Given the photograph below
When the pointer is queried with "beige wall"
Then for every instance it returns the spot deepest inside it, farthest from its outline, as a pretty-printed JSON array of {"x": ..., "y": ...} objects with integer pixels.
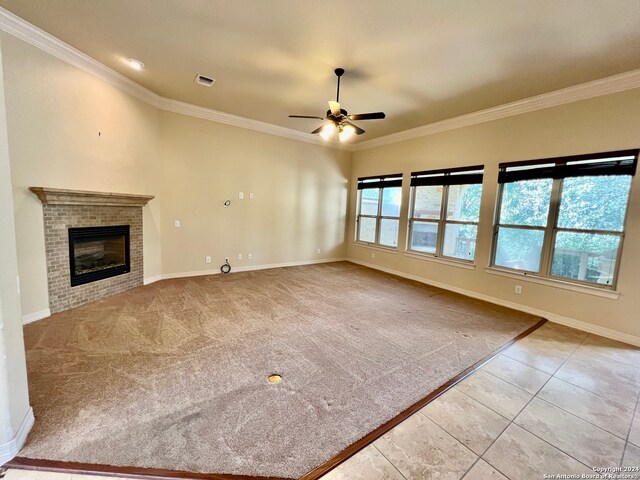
[
  {"x": 299, "y": 204},
  {"x": 14, "y": 398},
  {"x": 55, "y": 112},
  {"x": 605, "y": 123}
]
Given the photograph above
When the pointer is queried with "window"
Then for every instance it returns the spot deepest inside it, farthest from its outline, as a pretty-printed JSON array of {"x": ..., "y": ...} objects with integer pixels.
[
  {"x": 564, "y": 217},
  {"x": 378, "y": 217},
  {"x": 445, "y": 207}
]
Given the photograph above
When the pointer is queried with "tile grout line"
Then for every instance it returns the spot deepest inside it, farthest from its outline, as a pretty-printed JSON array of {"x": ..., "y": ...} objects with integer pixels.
[
  {"x": 455, "y": 439},
  {"x": 470, "y": 468},
  {"x": 578, "y": 417},
  {"x": 479, "y": 455},
  {"x": 385, "y": 457},
  {"x": 514, "y": 385},
  {"x": 509, "y": 420},
  {"x": 634, "y": 385},
  {"x": 508, "y": 425},
  {"x": 593, "y": 393},
  {"x": 531, "y": 433},
  {"x": 554, "y": 371},
  {"x": 536, "y": 396},
  {"x": 522, "y": 363},
  {"x": 486, "y": 406},
  {"x": 633, "y": 417}
]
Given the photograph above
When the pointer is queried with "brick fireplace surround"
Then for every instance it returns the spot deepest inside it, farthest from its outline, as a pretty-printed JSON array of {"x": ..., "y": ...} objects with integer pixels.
[{"x": 64, "y": 209}]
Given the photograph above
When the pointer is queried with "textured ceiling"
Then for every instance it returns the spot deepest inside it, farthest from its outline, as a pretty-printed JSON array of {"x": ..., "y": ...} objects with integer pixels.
[{"x": 418, "y": 61}]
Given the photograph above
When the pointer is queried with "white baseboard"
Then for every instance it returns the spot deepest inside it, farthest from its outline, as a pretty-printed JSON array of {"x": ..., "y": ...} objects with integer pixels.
[
  {"x": 249, "y": 268},
  {"x": 32, "y": 317},
  {"x": 10, "y": 449},
  {"x": 153, "y": 279},
  {"x": 552, "y": 317}
]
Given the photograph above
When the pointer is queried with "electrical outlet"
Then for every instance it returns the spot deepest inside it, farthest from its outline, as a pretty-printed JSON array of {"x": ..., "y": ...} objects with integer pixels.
[
  {"x": 239, "y": 256},
  {"x": 373, "y": 254},
  {"x": 240, "y": 195},
  {"x": 518, "y": 289},
  {"x": 249, "y": 256},
  {"x": 318, "y": 251},
  {"x": 207, "y": 259},
  {"x": 177, "y": 223},
  {"x": 251, "y": 196}
]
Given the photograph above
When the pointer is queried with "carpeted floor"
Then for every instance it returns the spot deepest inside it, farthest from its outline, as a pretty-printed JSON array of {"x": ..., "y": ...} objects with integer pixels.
[{"x": 174, "y": 375}]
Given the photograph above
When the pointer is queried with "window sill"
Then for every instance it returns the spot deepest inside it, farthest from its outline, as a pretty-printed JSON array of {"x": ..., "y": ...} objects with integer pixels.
[
  {"x": 574, "y": 287},
  {"x": 374, "y": 246},
  {"x": 444, "y": 261}
]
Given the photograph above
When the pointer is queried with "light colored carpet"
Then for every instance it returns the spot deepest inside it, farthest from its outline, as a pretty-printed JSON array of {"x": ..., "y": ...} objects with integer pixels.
[{"x": 174, "y": 375}]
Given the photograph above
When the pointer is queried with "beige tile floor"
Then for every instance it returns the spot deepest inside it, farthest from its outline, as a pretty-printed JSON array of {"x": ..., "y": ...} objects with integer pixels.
[{"x": 559, "y": 401}]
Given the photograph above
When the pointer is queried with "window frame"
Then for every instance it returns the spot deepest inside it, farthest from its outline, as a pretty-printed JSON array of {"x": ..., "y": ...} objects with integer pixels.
[
  {"x": 551, "y": 229},
  {"x": 381, "y": 180},
  {"x": 442, "y": 221}
]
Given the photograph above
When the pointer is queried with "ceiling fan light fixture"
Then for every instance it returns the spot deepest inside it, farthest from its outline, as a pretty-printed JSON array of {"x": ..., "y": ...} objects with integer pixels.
[
  {"x": 338, "y": 124},
  {"x": 345, "y": 132},
  {"x": 328, "y": 131}
]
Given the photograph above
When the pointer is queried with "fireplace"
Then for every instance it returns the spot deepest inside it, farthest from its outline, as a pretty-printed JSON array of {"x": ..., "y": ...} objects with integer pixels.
[
  {"x": 98, "y": 252},
  {"x": 76, "y": 217}
]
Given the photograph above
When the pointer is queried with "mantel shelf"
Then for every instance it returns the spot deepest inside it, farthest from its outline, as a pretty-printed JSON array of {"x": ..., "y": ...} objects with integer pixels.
[{"x": 61, "y": 196}]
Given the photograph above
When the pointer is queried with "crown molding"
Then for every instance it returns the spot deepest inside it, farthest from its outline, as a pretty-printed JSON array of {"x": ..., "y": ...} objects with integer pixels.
[
  {"x": 46, "y": 42},
  {"x": 204, "y": 113},
  {"x": 20, "y": 28},
  {"x": 604, "y": 86}
]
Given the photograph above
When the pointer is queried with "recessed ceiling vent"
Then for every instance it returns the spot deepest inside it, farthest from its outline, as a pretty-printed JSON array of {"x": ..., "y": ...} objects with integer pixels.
[{"x": 205, "y": 81}]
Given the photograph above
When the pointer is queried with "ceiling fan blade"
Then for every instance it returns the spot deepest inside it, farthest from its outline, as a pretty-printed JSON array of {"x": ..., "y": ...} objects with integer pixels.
[
  {"x": 305, "y": 116},
  {"x": 334, "y": 107},
  {"x": 317, "y": 130},
  {"x": 359, "y": 131},
  {"x": 367, "y": 116}
]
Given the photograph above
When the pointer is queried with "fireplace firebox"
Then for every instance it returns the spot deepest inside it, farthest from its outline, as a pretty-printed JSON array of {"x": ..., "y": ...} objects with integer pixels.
[{"x": 98, "y": 252}]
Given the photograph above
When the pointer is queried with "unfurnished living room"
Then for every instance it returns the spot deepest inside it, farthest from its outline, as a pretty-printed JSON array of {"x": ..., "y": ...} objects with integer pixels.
[{"x": 337, "y": 240}]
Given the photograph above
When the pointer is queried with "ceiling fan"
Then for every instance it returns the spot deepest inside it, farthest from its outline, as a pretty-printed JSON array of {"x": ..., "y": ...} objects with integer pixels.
[{"x": 337, "y": 121}]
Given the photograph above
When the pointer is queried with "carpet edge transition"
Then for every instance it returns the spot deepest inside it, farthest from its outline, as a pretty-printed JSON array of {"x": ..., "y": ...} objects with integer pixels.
[{"x": 23, "y": 463}]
